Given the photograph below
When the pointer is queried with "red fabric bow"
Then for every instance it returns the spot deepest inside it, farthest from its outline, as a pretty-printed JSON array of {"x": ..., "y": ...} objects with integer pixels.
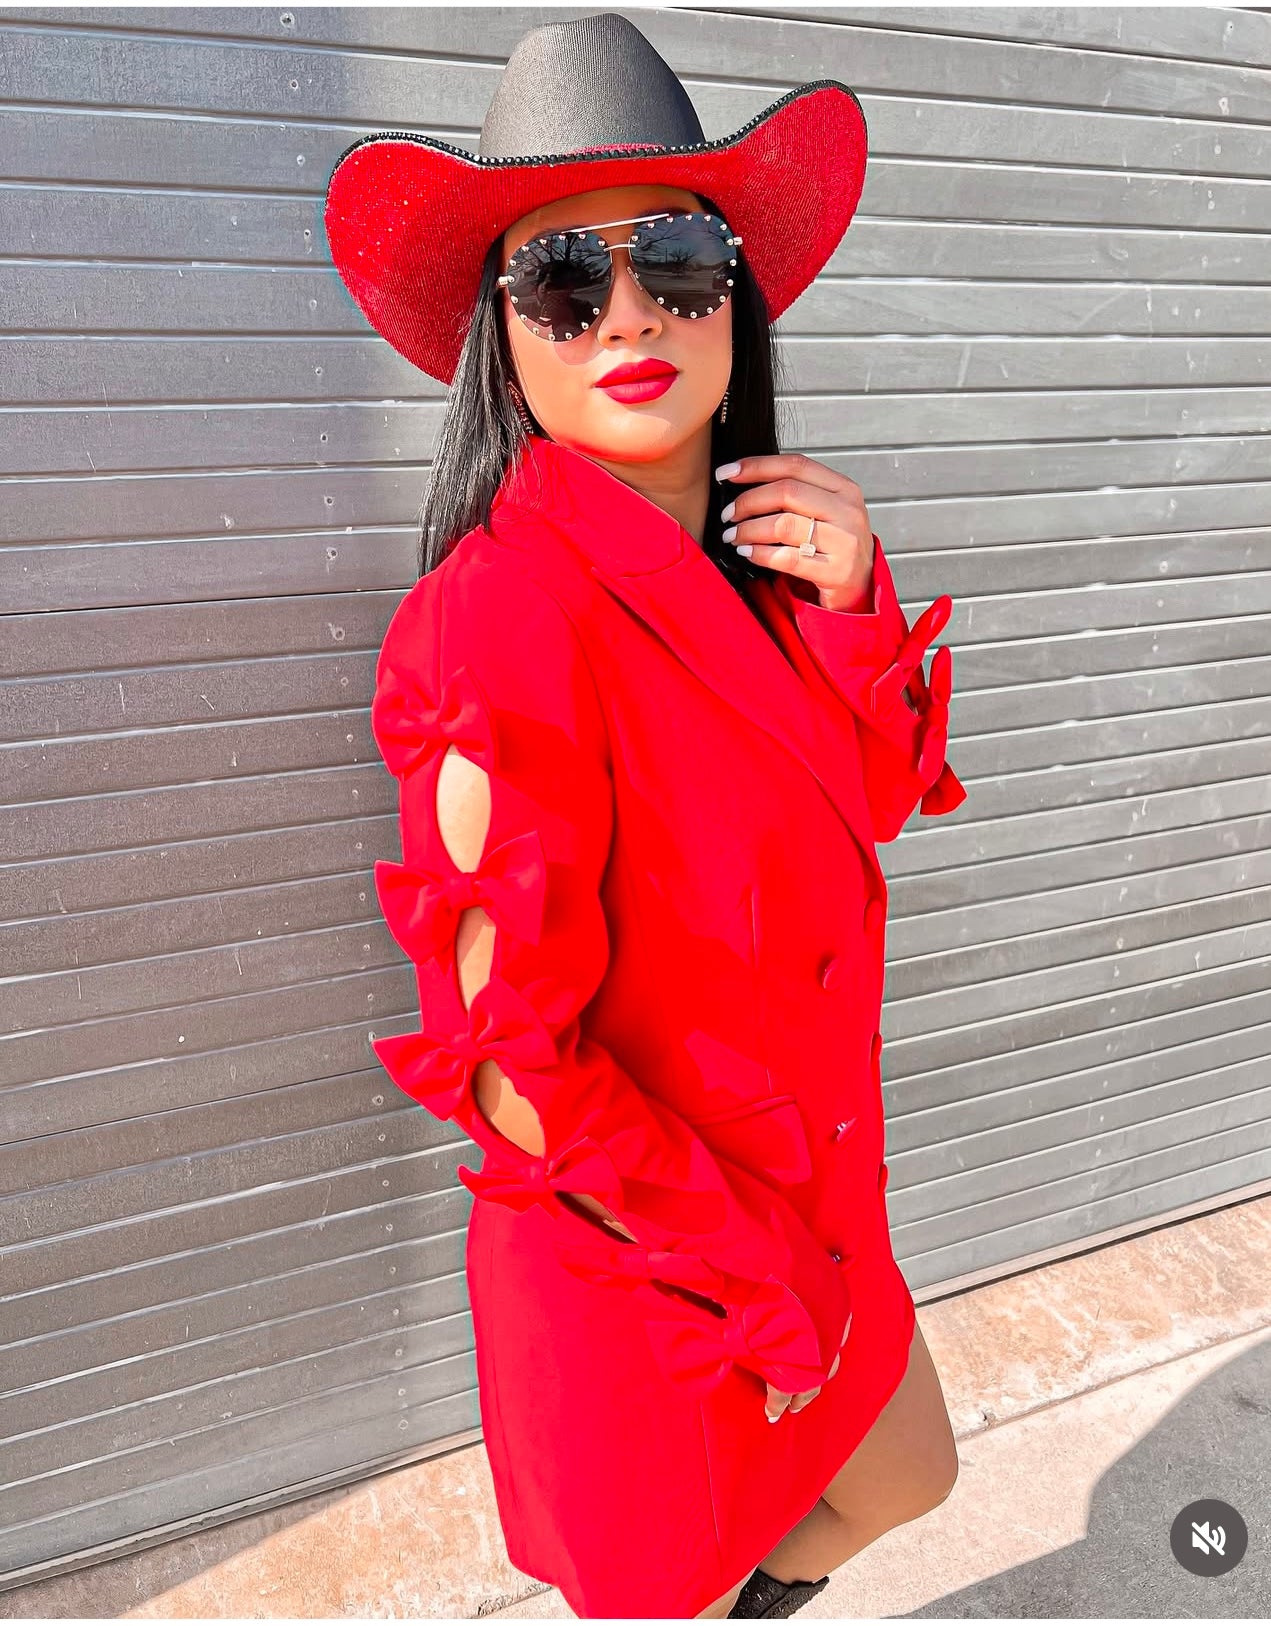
[
  {"x": 772, "y": 1329},
  {"x": 409, "y": 727},
  {"x": 885, "y": 691},
  {"x": 947, "y": 793},
  {"x": 423, "y": 909},
  {"x": 436, "y": 1071},
  {"x": 584, "y": 1166},
  {"x": 935, "y": 712},
  {"x": 945, "y": 790}
]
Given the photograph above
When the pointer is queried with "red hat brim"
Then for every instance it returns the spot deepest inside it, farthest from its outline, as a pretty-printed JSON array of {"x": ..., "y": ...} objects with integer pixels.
[{"x": 409, "y": 219}]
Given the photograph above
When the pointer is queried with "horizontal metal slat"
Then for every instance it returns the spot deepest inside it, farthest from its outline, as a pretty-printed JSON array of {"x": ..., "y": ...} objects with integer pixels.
[
  {"x": 924, "y": 1069},
  {"x": 151, "y": 1306},
  {"x": 1074, "y": 1178},
  {"x": 1079, "y": 1218},
  {"x": 152, "y": 1261},
  {"x": 108, "y": 1407},
  {"x": 1037, "y": 1099},
  {"x": 179, "y": 1459},
  {"x": 330, "y": 1442}
]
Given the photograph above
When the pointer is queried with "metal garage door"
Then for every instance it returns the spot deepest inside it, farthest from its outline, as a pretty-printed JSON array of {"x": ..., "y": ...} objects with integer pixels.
[{"x": 232, "y": 1253}]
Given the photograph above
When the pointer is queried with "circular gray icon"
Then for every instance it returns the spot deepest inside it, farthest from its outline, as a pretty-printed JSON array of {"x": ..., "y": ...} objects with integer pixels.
[{"x": 1209, "y": 1537}]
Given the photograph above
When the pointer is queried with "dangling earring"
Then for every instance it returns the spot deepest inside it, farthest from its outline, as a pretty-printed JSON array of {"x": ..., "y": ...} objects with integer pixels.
[
  {"x": 518, "y": 401},
  {"x": 723, "y": 410}
]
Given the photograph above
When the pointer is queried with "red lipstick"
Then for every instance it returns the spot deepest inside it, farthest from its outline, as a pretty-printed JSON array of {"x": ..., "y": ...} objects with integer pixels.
[{"x": 638, "y": 380}]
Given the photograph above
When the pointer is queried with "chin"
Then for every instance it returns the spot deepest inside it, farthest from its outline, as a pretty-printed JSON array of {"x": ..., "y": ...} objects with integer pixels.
[{"x": 631, "y": 433}]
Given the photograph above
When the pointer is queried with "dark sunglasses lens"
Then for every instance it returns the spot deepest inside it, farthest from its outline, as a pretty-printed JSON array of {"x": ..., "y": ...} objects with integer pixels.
[
  {"x": 559, "y": 284},
  {"x": 686, "y": 263}
]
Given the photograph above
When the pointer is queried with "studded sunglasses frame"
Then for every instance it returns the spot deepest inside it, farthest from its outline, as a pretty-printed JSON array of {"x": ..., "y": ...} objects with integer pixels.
[{"x": 511, "y": 275}]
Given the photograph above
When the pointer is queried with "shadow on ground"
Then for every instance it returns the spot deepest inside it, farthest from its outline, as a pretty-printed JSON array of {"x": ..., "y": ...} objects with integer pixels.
[{"x": 1214, "y": 1443}]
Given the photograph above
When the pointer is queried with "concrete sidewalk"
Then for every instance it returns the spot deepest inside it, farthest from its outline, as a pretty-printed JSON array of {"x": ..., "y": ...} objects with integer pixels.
[
  {"x": 1066, "y": 1512},
  {"x": 1093, "y": 1399}
]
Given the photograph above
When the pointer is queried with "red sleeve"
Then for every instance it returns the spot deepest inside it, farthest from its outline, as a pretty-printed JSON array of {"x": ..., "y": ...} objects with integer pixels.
[
  {"x": 481, "y": 657},
  {"x": 869, "y": 658}
]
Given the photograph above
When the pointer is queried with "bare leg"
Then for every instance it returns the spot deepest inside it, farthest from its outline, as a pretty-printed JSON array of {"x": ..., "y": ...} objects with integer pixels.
[
  {"x": 719, "y": 1609},
  {"x": 906, "y": 1465}
]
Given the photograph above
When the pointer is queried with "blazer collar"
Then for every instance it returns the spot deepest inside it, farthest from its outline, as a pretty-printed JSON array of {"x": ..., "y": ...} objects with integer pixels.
[{"x": 643, "y": 556}]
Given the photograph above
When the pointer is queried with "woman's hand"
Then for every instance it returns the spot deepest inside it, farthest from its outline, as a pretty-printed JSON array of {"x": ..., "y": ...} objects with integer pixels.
[
  {"x": 770, "y": 519},
  {"x": 778, "y": 1401}
]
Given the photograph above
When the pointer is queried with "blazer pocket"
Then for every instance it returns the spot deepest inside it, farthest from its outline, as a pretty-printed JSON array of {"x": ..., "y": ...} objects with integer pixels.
[{"x": 768, "y": 1138}]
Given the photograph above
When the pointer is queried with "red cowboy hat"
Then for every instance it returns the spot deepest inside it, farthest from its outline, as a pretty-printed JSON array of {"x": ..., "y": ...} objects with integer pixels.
[{"x": 583, "y": 104}]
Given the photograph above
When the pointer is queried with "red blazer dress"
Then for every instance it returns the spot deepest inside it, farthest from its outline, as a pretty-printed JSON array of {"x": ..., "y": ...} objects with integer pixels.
[{"x": 686, "y": 792}]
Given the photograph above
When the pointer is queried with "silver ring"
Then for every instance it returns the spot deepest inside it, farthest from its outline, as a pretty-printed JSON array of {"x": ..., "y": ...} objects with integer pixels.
[{"x": 808, "y": 547}]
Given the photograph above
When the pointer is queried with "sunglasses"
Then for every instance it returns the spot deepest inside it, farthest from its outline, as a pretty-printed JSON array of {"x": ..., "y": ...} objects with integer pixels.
[{"x": 558, "y": 284}]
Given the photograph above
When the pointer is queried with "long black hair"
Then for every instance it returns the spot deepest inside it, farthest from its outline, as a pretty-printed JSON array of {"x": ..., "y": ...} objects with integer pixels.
[{"x": 481, "y": 433}]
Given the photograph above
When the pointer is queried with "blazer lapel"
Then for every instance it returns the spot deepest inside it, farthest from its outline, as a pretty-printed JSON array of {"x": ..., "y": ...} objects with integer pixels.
[
  {"x": 643, "y": 557},
  {"x": 697, "y": 614}
]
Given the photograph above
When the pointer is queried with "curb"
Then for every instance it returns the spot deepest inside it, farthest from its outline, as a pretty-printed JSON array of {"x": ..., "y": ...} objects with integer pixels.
[{"x": 1013, "y": 1346}]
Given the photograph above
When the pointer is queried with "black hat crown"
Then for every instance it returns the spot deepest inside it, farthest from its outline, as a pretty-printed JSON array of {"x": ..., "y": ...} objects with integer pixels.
[{"x": 591, "y": 82}]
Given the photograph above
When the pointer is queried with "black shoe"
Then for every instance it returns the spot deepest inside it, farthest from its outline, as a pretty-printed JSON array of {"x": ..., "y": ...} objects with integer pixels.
[{"x": 765, "y": 1598}]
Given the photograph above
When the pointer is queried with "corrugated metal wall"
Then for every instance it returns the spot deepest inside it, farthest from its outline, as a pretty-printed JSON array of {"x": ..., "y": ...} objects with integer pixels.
[{"x": 232, "y": 1253}]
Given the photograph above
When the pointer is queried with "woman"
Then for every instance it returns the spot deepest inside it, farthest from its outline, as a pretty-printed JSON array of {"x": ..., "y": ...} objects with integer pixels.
[{"x": 643, "y": 762}]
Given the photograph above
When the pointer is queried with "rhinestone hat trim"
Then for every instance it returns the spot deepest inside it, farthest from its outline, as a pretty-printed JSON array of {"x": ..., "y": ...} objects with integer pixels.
[{"x": 651, "y": 149}]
